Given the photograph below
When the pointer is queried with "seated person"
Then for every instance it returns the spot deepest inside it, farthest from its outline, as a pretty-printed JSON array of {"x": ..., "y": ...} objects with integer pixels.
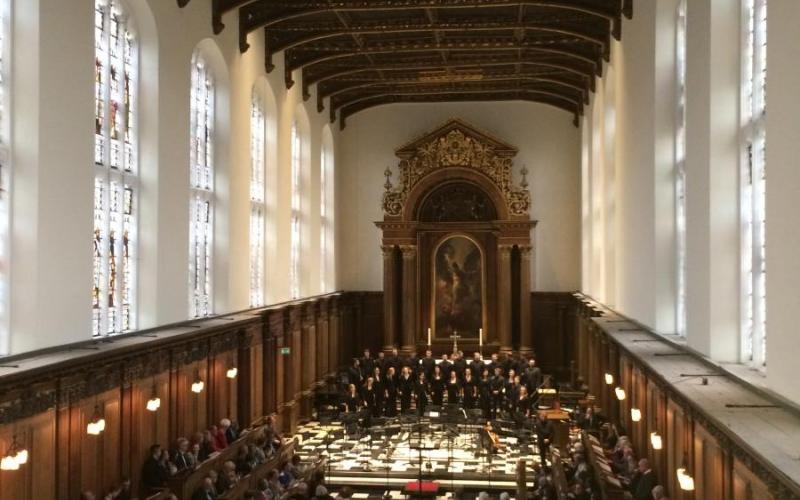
[
  {"x": 154, "y": 471},
  {"x": 286, "y": 478},
  {"x": 229, "y": 429},
  {"x": 227, "y": 478},
  {"x": 206, "y": 491}
]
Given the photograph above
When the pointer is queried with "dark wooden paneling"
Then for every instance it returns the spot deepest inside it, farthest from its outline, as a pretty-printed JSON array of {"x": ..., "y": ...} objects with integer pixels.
[
  {"x": 722, "y": 466},
  {"x": 553, "y": 320},
  {"x": 48, "y": 405}
]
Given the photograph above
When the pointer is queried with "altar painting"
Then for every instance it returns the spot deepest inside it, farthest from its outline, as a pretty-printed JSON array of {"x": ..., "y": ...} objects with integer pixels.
[{"x": 458, "y": 288}]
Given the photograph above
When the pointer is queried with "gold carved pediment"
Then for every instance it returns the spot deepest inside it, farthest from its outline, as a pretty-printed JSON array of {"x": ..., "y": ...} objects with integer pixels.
[{"x": 456, "y": 144}]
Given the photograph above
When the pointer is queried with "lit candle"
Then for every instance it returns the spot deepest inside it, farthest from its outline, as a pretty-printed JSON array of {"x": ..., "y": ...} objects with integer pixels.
[
  {"x": 429, "y": 336},
  {"x": 480, "y": 337}
]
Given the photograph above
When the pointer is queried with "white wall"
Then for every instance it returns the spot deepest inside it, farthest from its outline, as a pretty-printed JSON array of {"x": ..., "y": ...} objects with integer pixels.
[
  {"x": 783, "y": 197},
  {"x": 548, "y": 144},
  {"x": 639, "y": 202},
  {"x": 627, "y": 160},
  {"x": 52, "y": 160}
]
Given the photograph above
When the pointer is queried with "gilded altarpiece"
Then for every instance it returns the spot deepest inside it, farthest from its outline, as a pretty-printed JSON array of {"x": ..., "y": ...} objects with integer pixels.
[{"x": 456, "y": 244}]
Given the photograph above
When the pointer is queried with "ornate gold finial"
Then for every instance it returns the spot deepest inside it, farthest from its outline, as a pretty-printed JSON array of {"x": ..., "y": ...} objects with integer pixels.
[
  {"x": 524, "y": 183},
  {"x": 388, "y": 174}
]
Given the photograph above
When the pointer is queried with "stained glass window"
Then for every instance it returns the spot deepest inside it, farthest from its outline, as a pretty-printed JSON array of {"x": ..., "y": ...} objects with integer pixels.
[
  {"x": 680, "y": 167},
  {"x": 257, "y": 199},
  {"x": 294, "y": 257},
  {"x": 201, "y": 212},
  {"x": 116, "y": 170},
  {"x": 753, "y": 203}
]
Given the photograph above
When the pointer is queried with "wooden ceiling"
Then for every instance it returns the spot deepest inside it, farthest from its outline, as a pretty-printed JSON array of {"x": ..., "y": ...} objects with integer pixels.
[{"x": 364, "y": 53}]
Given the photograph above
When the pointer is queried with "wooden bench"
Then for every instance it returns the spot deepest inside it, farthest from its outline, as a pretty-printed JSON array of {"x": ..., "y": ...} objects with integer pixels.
[
  {"x": 605, "y": 480},
  {"x": 559, "y": 477},
  {"x": 185, "y": 483},
  {"x": 250, "y": 481}
]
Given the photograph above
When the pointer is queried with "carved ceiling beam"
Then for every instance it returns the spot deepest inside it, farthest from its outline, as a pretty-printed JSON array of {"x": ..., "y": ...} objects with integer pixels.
[
  {"x": 293, "y": 62},
  {"x": 571, "y": 62},
  {"x": 571, "y": 103},
  {"x": 566, "y": 89},
  {"x": 473, "y": 27},
  {"x": 267, "y": 13},
  {"x": 521, "y": 95}
]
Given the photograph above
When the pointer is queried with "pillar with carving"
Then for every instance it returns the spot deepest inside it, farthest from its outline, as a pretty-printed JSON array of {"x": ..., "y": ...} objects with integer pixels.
[
  {"x": 526, "y": 340},
  {"x": 409, "y": 297},
  {"x": 389, "y": 313},
  {"x": 504, "y": 294}
]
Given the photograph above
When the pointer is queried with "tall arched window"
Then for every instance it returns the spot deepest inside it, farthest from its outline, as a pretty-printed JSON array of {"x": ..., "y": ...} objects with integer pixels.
[
  {"x": 326, "y": 219},
  {"x": 680, "y": 167},
  {"x": 5, "y": 175},
  {"x": 201, "y": 178},
  {"x": 116, "y": 170},
  {"x": 258, "y": 139},
  {"x": 753, "y": 184},
  {"x": 294, "y": 254}
]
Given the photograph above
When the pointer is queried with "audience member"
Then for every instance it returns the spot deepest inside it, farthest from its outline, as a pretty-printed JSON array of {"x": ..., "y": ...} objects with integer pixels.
[
  {"x": 206, "y": 491},
  {"x": 659, "y": 493},
  {"x": 643, "y": 481},
  {"x": 154, "y": 471},
  {"x": 229, "y": 429}
]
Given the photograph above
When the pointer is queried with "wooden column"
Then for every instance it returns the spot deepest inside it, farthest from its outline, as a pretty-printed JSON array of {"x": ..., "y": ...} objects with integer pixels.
[
  {"x": 504, "y": 293},
  {"x": 308, "y": 361},
  {"x": 335, "y": 355},
  {"x": 323, "y": 339},
  {"x": 409, "y": 297},
  {"x": 525, "y": 324},
  {"x": 389, "y": 299},
  {"x": 269, "y": 356}
]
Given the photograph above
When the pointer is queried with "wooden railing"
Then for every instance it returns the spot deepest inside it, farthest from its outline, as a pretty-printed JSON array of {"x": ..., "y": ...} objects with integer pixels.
[
  {"x": 696, "y": 416},
  {"x": 250, "y": 481},
  {"x": 185, "y": 483},
  {"x": 281, "y": 354}
]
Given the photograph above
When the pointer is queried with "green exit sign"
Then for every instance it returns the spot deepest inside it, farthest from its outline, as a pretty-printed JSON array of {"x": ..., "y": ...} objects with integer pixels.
[{"x": 285, "y": 351}]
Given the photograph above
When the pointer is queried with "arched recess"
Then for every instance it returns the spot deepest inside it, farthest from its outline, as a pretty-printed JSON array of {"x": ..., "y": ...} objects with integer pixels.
[
  {"x": 144, "y": 26},
  {"x": 300, "y": 202},
  {"x": 434, "y": 181},
  {"x": 262, "y": 91},
  {"x": 209, "y": 51},
  {"x": 327, "y": 224}
]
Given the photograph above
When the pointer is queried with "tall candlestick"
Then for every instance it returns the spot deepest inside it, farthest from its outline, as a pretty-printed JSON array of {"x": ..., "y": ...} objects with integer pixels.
[{"x": 429, "y": 336}]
